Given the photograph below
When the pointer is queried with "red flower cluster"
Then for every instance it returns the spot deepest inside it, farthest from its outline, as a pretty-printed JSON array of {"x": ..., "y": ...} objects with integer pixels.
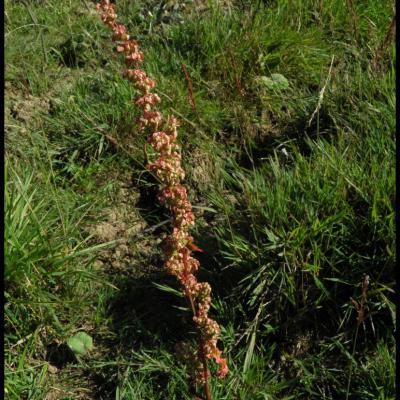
[{"x": 167, "y": 167}]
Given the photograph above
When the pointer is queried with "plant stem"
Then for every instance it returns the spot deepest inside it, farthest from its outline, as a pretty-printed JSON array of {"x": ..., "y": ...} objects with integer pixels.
[
  {"x": 385, "y": 44},
  {"x": 190, "y": 89},
  {"x": 351, "y": 361},
  {"x": 205, "y": 366},
  {"x": 354, "y": 18},
  {"x": 201, "y": 350}
]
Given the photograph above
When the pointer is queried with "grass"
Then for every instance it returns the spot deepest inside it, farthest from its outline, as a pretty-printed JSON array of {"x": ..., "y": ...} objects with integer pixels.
[{"x": 294, "y": 206}]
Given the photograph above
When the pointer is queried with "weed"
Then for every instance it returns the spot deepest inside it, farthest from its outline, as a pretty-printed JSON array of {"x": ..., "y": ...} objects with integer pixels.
[{"x": 290, "y": 215}]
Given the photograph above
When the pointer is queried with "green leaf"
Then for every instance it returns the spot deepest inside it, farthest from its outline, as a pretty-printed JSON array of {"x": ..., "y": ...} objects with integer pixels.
[
  {"x": 250, "y": 351},
  {"x": 280, "y": 81},
  {"x": 168, "y": 289},
  {"x": 275, "y": 82},
  {"x": 80, "y": 343}
]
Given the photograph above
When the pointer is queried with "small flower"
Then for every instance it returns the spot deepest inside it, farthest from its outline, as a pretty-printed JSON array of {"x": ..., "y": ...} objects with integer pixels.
[
  {"x": 108, "y": 15},
  {"x": 140, "y": 78},
  {"x": 134, "y": 57},
  {"x": 120, "y": 33},
  {"x": 134, "y": 75},
  {"x": 149, "y": 118},
  {"x": 149, "y": 99}
]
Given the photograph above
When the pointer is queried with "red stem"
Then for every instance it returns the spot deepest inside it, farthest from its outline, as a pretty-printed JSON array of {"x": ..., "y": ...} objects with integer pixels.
[
  {"x": 205, "y": 367},
  {"x": 201, "y": 342},
  {"x": 201, "y": 352},
  {"x": 190, "y": 88}
]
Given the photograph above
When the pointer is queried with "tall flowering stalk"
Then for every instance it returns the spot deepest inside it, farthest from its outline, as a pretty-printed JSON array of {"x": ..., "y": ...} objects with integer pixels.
[{"x": 173, "y": 194}]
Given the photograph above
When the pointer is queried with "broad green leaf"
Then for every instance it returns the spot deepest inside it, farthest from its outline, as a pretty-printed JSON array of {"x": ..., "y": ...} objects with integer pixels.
[
  {"x": 275, "y": 82},
  {"x": 80, "y": 343}
]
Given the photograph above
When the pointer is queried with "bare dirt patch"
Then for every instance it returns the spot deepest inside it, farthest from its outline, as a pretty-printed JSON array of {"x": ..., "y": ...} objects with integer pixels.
[{"x": 123, "y": 223}]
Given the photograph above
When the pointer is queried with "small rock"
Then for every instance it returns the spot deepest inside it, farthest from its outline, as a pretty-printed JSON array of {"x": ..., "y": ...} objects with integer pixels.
[{"x": 52, "y": 369}]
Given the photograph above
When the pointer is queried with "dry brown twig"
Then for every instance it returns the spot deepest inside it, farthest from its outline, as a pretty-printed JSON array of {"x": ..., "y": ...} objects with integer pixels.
[{"x": 359, "y": 306}]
